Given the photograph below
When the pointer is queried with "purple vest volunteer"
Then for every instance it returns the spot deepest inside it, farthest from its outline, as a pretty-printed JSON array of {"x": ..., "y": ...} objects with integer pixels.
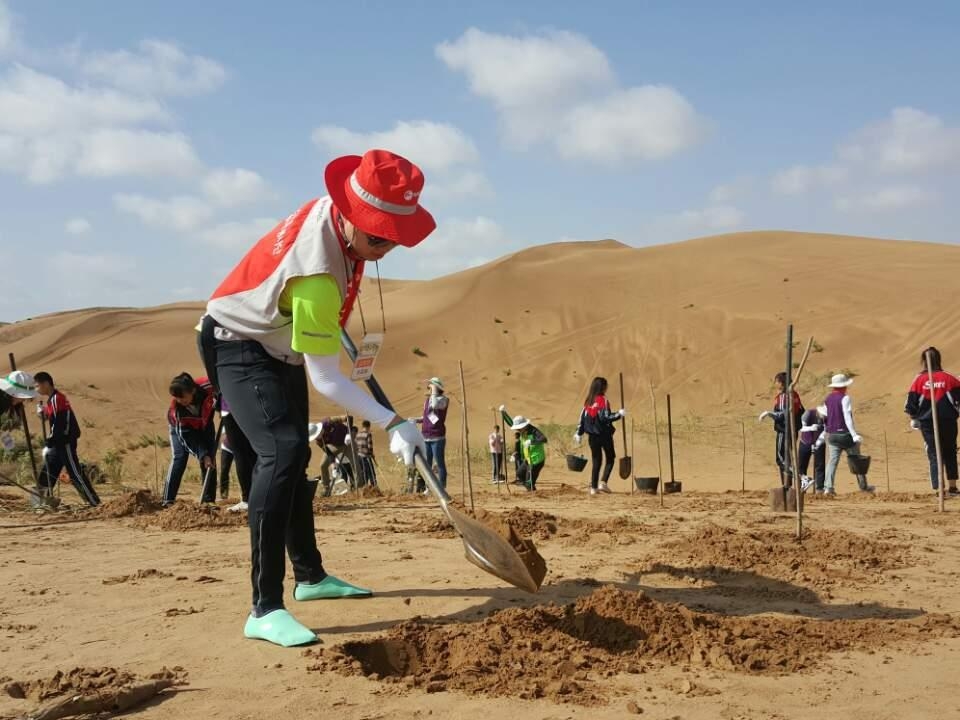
[
  {"x": 836, "y": 423},
  {"x": 435, "y": 430}
]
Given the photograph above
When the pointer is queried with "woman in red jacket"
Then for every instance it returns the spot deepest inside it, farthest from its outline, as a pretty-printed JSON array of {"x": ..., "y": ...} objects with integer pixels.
[{"x": 596, "y": 420}]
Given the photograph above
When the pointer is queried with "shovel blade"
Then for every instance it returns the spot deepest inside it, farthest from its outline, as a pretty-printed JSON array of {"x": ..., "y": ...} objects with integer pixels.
[
  {"x": 484, "y": 547},
  {"x": 626, "y": 467},
  {"x": 490, "y": 552}
]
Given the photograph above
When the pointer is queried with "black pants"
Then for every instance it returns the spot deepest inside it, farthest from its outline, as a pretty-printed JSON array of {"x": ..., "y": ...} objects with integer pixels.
[
  {"x": 268, "y": 399},
  {"x": 65, "y": 456},
  {"x": 240, "y": 454},
  {"x": 948, "y": 450},
  {"x": 819, "y": 462},
  {"x": 528, "y": 474},
  {"x": 601, "y": 445},
  {"x": 368, "y": 472},
  {"x": 496, "y": 460}
]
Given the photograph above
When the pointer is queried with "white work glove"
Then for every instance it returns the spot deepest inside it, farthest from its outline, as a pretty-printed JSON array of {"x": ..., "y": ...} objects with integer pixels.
[
  {"x": 577, "y": 438},
  {"x": 914, "y": 424},
  {"x": 502, "y": 408},
  {"x": 39, "y": 409},
  {"x": 405, "y": 439},
  {"x": 513, "y": 457},
  {"x": 623, "y": 413},
  {"x": 764, "y": 414},
  {"x": 857, "y": 439},
  {"x": 46, "y": 451}
]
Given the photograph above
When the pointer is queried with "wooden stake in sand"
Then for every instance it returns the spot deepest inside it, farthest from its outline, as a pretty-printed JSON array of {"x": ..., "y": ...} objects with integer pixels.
[
  {"x": 26, "y": 428},
  {"x": 886, "y": 459},
  {"x": 790, "y": 470},
  {"x": 794, "y": 436},
  {"x": 936, "y": 431},
  {"x": 656, "y": 435},
  {"x": 466, "y": 430},
  {"x": 743, "y": 463}
]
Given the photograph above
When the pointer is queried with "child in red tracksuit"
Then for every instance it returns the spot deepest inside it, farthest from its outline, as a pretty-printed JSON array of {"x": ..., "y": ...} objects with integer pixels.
[{"x": 60, "y": 446}]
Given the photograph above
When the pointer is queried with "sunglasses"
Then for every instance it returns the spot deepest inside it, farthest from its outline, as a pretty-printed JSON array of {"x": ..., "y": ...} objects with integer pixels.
[
  {"x": 373, "y": 240},
  {"x": 378, "y": 242}
]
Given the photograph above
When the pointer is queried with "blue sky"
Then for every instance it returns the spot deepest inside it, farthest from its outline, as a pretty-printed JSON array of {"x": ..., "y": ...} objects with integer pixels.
[{"x": 145, "y": 145}]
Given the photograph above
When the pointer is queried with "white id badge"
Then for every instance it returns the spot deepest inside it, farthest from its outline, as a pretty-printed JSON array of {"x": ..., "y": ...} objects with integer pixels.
[
  {"x": 433, "y": 417},
  {"x": 367, "y": 353}
]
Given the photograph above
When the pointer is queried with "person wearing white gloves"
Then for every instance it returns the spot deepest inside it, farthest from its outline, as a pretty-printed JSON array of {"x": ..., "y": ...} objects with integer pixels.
[
  {"x": 596, "y": 420},
  {"x": 275, "y": 321},
  {"x": 839, "y": 433},
  {"x": 780, "y": 418}
]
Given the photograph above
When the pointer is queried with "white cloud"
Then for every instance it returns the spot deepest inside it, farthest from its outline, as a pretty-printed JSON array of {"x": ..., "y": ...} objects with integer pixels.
[
  {"x": 231, "y": 188},
  {"x": 469, "y": 184},
  {"x": 158, "y": 68},
  {"x": 115, "y": 152},
  {"x": 432, "y": 146},
  {"x": 527, "y": 77},
  {"x": 7, "y": 32},
  {"x": 558, "y": 87},
  {"x": 730, "y": 192},
  {"x": 34, "y": 104},
  {"x": 892, "y": 198},
  {"x": 800, "y": 179},
  {"x": 908, "y": 141},
  {"x": 237, "y": 235},
  {"x": 181, "y": 213},
  {"x": 94, "y": 270},
  {"x": 642, "y": 123},
  {"x": 78, "y": 226},
  {"x": 461, "y": 243}
]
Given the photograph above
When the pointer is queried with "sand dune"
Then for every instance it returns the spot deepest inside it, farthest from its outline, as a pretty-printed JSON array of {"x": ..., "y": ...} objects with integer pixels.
[{"x": 703, "y": 320}]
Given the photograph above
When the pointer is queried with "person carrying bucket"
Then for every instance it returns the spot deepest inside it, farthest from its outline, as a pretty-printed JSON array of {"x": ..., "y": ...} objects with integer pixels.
[
  {"x": 596, "y": 420},
  {"x": 946, "y": 394},
  {"x": 274, "y": 322},
  {"x": 840, "y": 434}
]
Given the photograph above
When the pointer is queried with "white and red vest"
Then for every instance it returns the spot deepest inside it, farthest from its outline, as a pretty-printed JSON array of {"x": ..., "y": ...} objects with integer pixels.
[{"x": 306, "y": 243}]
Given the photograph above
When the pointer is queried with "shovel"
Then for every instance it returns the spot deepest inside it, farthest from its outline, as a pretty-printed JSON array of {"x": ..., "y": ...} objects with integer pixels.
[
  {"x": 483, "y": 546},
  {"x": 626, "y": 462},
  {"x": 36, "y": 498}
]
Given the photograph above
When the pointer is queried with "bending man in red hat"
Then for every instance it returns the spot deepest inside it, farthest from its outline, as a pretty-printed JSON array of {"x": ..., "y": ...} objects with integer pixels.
[{"x": 275, "y": 320}]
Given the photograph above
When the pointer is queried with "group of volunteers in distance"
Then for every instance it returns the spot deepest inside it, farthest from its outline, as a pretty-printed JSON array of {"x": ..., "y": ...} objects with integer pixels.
[
  {"x": 828, "y": 431},
  {"x": 274, "y": 324}
]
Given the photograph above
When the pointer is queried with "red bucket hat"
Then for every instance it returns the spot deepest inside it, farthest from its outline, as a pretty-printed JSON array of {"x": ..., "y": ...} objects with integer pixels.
[{"x": 380, "y": 194}]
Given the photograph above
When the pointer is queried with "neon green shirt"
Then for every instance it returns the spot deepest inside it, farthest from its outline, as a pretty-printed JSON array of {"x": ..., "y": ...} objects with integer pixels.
[{"x": 314, "y": 304}]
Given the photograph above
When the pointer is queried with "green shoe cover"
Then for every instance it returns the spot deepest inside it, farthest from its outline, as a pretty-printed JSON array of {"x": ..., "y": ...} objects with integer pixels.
[
  {"x": 329, "y": 588},
  {"x": 280, "y": 628}
]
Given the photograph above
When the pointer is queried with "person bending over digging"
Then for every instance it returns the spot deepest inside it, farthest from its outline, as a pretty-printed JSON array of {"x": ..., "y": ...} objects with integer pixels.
[
  {"x": 275, "y": 321},
  {"x": 779, "y": 415},
  {"x": 596, "y": 420},
  {"x": 533, "y": 452},
  {"x": 810, "y": 430},
  {"x": 190, "y": 418},
  {"x": 14, "y": 389},
  {"x": 60, "y": 446},
  {"x": 946, "y": 394},
  {"x": 839, "y": 433}
]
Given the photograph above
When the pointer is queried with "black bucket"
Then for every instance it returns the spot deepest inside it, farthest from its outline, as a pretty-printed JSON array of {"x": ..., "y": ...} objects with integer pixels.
[
  {"x": 672, "y": 487},
  {"x": 576, "y": 463},
  {"x": 647, "y": 484},
  {"x": 858, "y": 464}
]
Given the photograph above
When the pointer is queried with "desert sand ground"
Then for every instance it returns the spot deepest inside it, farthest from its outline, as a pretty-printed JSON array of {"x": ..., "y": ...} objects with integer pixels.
[{"x": 735, "y": 619}]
